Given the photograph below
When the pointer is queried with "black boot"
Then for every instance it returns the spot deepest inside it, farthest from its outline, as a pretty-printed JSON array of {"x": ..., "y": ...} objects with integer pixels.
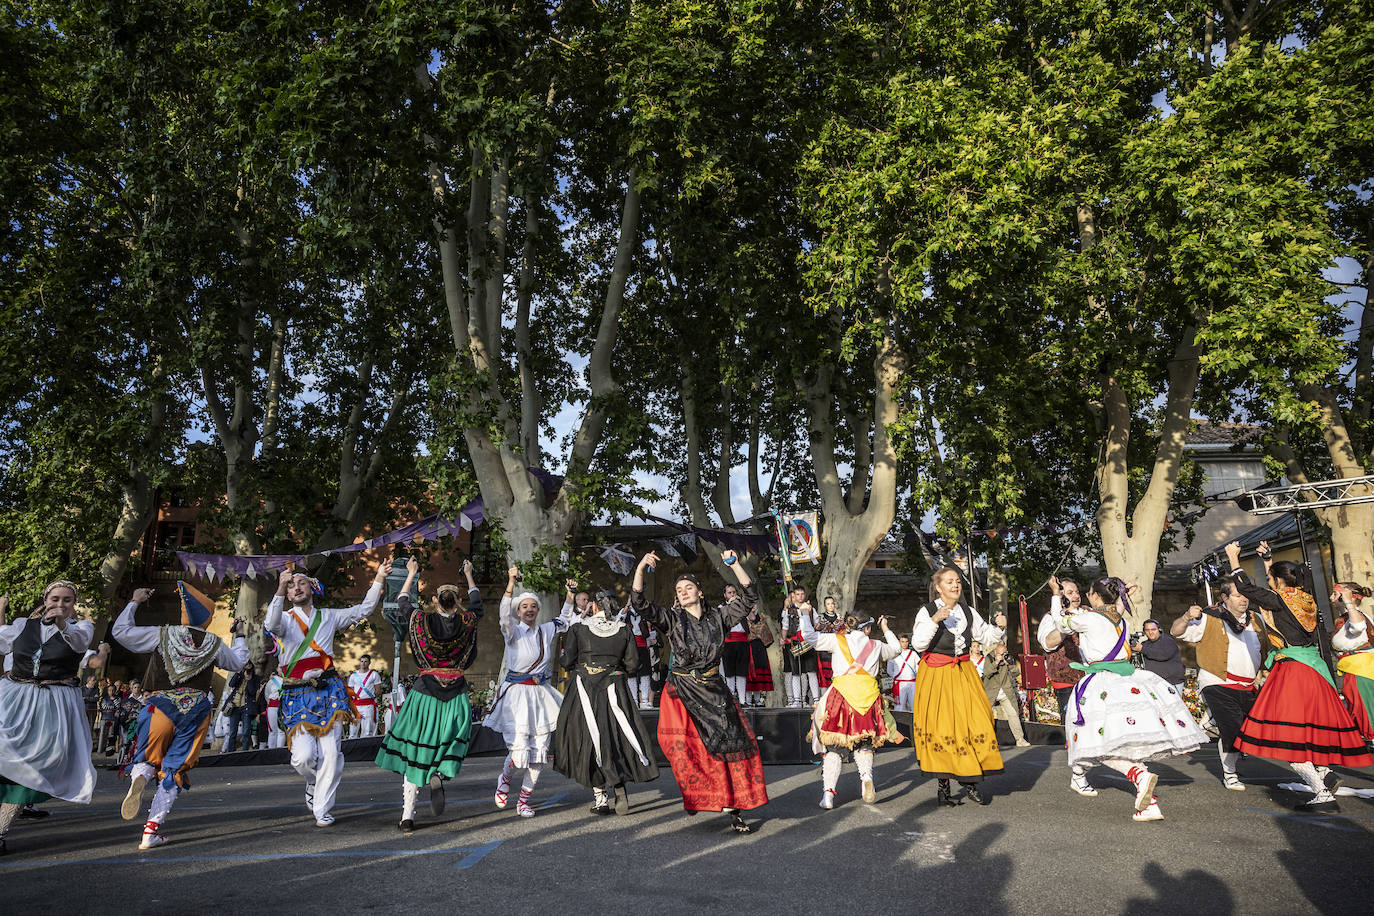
[
  {"x": 737, "y": 823},
  {"x": 942, "y": 795},
  {"x": 972, "y": 793}
]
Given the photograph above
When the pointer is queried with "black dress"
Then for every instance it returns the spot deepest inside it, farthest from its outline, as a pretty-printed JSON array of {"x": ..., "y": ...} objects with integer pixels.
[{"x": 601, "y": 742}]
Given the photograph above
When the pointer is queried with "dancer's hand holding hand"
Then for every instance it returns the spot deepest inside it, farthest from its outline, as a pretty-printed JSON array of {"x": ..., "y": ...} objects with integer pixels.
[
  {"x": 1000, "y": 621},
  {"x": 1233, "y": 553},
  {"x": 382, "y": 572}
]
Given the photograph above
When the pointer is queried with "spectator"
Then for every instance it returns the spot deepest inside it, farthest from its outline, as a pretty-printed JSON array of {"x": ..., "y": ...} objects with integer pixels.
[
  {"x": 236, "y": 708},
  {"x": 109, "y": 720},
  {"x": 999, "y": 682},
  {"x": 90, "y": 695},
  {"x": 127, "y": 717},
  {"x": 1160, "y": 654}
]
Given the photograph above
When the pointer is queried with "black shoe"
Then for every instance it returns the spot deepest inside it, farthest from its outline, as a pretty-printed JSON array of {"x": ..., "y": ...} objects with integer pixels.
[
  {"x": 3, "y": 850},
  {"x": 601, "y": 810},
  {"x": 407, "y": 826},
  {"x": 29, "y": 811},
  {"x": 737, "y": 823},
  {"x": 436, "y": 795},
  {"x": 622, "y": 801},
  {"x": 972, "y": 794}
]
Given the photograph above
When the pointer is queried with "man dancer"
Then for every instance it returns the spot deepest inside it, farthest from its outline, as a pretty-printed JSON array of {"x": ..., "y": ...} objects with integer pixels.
[
  {"x": 176, "y": 715},
  {"x": 1231, "y": 650},
  {"x": 363, "y": 687},
  {"x": 903, "y": 672},
  {"x": 314, "y": 699}
]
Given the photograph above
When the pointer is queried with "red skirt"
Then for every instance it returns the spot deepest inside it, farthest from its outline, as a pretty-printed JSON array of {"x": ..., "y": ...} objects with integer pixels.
[
  {"x": 842, "y": 726},
  {"x": 707, "y": 783},
  {"x": 760, "y": 676},
  {"x": 1359, "y": 710},
  {"x": 823, "y": 671},
  {"x": 1298, "y": 717}
]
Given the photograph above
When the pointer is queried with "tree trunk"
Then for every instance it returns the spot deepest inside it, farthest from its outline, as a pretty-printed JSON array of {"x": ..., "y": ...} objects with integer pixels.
[
  {"x": 1352, "y": 542},
  {"x": 135, "y": 513}
]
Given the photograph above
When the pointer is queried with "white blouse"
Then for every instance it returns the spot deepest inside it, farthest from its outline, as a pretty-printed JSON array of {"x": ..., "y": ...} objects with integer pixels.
[
  {"x": 530, "y": 650},
  {"x": 888, "y": 647},
  {"x": 1096, "y": 635},
  {"x": 1354, "y": 635},
  {"x": 145, "y": 639},
  {"x": 961, "y": 620}
]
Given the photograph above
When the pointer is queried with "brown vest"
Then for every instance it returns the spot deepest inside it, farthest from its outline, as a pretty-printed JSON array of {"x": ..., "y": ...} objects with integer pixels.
[
  {"x": 1214, "y": 646},
  {"x": 157, "y": 678}
]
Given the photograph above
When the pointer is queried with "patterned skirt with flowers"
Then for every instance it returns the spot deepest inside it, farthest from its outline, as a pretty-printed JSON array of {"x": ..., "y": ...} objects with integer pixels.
[
  {"x": 951, "y": 723},
  {"x": 1134, "y": 717}
]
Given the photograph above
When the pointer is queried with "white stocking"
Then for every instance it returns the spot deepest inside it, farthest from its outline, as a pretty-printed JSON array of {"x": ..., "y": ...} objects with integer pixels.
[
  {"x": 863, "y": 759},
  {"x": 1309, "y": 775},
  {"x": 813, "y": 683},
  {"x": 1229, "y": 761},
  {"x": 830, "y": 770},
  {"x": 794, "y": 689},
  {"x": 163, "y": 799},
  {"x": 409, "y": 792},
  {"x": 531, "y": 777}
]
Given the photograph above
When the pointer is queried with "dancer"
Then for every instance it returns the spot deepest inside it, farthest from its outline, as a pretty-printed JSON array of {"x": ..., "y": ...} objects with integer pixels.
[
  {"x": 1351, "y": 640},
  {"x": 641, "y": 684},
  {"x": 759, "y": 681},
  {"x": 734, "y": 658},
  {"x": 525, "y": 711},
  {"x": 314, "y": 707},
  {"x": 850, "y": 715},
  {"x": 1231, "y": 650},
  {"x": 1064, "y": 666},
  {"x": 1122, "y": 716},
  {"x": 1298, "y": 717},
  {"x": 601, "y": 742},
  {"x": 951, "y": 720},
  {"x": 902, "y": 670},
  {"x": 363, "y": 688},
  {"x": 701, "y": 728},
  {"x": 173, "y": 723},
  {"x": 798, "y": 659},
  {"x": 45, "y": 739},
  {"x": 429, "y": 739},
  {"x": 828, "y": 621}
]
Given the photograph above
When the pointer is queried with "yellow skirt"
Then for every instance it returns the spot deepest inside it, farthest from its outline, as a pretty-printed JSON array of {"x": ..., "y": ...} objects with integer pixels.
[{"x": 951, "y": 723}]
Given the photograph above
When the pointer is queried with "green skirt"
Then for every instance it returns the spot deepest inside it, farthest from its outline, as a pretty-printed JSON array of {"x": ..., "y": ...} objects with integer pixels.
[
  {"x": 429, "y": 736},
  {"x": 12, "y": 793}
]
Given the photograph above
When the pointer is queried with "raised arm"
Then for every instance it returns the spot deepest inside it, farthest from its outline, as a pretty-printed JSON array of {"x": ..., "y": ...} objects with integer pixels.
[
  {"x": 889, "y": 648},
  {"x": 348, "y": 616},
  {"x": 987, "y": 634},
  {"x": 1189, "y": 627},
  {"x": 655, "y": 614},
  {"x": 474, "y": 593},
  {"x": 1049, "y": 634},
  {"x": 275, "y": 607},
  {"x": 128, "y": 634},
  {"x": 1264, "y": 597},
  {"x": 748, "y": 598},
  {"x": 233, "y": 655}
]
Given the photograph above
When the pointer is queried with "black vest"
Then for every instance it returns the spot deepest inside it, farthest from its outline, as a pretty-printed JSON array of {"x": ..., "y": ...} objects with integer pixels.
[
  {"x": 57, "y": 661},
  {"x": 943, "y": 643}
]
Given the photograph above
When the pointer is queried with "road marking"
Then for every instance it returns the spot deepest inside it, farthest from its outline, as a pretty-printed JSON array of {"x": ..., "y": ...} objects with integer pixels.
[
  {"x": 553, "y": 800},
  {"x": 474, "y": 854}
]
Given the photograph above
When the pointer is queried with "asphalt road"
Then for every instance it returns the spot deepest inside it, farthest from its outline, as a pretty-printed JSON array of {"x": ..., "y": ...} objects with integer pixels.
[{"x": 242, "y": 842}]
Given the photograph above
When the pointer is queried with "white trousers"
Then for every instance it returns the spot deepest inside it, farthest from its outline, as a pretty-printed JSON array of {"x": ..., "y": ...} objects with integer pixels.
[
  {"x": 906, "y": 696},
  {"x": 320, "y": 761},
  {"x": 275, "y": 736},
  {"x": 365, "y": 726},
  {"x": 796, "y": 683}
]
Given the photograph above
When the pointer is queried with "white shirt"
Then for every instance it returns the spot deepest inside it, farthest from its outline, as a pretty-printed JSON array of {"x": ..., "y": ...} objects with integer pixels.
[
  {"x": 1353, "y": 636},
  {"x": 145, "y": 639},
  {"x": 1242, "y": 652},
  {"x": 365, "y": 683},
  {"x": 78, "y": 635},
  {"x": 287, "y": 625},
  {"x": 524, "y": 642},
  {"x": 830, "y": 642},
  {"x": 961, "y": 621},
  {"x": 1050, "y": 622},
  {"x": 1096, "y": 636},
  {"x": 903, "y": 667}
]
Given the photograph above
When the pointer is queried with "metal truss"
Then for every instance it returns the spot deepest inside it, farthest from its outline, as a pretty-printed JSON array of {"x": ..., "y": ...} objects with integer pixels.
[{"x": 1320, "y": 495}]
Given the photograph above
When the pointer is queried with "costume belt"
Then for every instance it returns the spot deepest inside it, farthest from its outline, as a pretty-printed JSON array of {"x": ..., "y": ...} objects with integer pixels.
[
  {"x": 314, "y": 681},
  {"x": 697, "y": 674},
  {"x": 526, "y": 678},
  {"x": 443, "y": 674},
  {"x": 60, "y": 682},
  {"x": 1122, "y": 667},
  {"x": 587, "y": 668},
  {"x": 939, "y": 659}
]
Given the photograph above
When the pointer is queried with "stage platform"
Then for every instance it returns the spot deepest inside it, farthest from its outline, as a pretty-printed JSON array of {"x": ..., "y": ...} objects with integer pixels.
[{"x": 781, "y": 734}]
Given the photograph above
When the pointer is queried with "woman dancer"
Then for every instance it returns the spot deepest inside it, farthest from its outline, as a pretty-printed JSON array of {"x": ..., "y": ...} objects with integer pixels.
[
  {"x": 525, "y": 712},
  {"x": 429, "y": 739},
  {"x": 45, "y": 738},
  {"x": 1122, "y": 716},
  {"x": 701, "y": 729},
  {"x": 850, "y": 716},
  {"x": 951, "y": 719},
  {"x": 1298, "y": 717},
  {"x": 601, "y": 742},
  {"x": 1351, "y": 640}
]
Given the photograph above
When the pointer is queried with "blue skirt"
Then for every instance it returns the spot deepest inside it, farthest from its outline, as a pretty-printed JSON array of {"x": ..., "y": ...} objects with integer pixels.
[{"x": 315, "y": 710}]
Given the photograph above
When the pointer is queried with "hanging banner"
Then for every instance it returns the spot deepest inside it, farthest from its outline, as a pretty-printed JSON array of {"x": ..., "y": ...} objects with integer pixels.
[
  {"x": 803, "y": 536},
  {"x": 619, "y": 558}
]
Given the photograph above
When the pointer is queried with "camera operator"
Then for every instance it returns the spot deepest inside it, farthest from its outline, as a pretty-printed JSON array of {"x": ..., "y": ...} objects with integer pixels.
[{"x": 999, "y": 681}]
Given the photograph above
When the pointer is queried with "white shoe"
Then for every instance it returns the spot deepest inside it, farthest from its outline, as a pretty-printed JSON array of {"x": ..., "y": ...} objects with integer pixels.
[
  {"x": 133, "y": 802},
  {"x": 152, "y": 841},
  {"x": 1145, "y": 790},
  {"x": 827, "y": 799},
  {"x": 1079, "y": 783},
  {"x": 870, "y": 795},
  {"x": 1324, "y": 797},
  {"x": 325, "y": 820},
  {"x": 1151, "y": 813},
  {"x": 1022, "y": 742},
  {"x": 1232, "y": 782}
]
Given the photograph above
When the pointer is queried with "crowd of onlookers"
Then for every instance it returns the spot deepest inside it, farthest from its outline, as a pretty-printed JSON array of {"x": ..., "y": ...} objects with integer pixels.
[{"x": 112, "y": 708}]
